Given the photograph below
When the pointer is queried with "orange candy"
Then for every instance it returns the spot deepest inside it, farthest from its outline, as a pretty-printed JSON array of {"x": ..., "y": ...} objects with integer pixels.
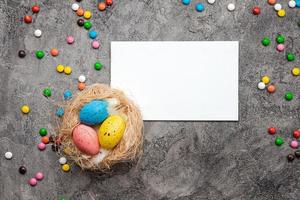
[
  {"x": 101, "y": 6},
  {"x": 45, "y": 139},
  {"x": 271, "y": 2},
  {"x": 54, "y": 52},
  {"x": 80, "y": 12},
  {"x": 271, "y": 88},
  {"x": 81, "y": 86}
]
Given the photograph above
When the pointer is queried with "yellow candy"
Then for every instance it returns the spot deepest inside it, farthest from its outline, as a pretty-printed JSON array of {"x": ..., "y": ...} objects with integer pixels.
[
  {"x": 296, "y": 71},
  {"x": 87, "y": 14},
  {"x": 66, "y": 167},
  {"x": 281, "y": 13},
  {"x": 111, "y": 131},
  {"x": 265, "y": 79},
  {"x": 68, "y": 70},
  {"x": 25, "y": 109},
  {"x": 60, "y": 68}
]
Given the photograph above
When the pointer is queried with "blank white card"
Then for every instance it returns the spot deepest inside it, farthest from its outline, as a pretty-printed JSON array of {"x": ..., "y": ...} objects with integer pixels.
[{"x": 179, "y": 80}]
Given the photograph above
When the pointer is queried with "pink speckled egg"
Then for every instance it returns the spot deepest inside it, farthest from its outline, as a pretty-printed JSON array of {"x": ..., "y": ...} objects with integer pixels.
[
  {"x": 294, "y": 144},
  {"x": 86, "y": 140}
]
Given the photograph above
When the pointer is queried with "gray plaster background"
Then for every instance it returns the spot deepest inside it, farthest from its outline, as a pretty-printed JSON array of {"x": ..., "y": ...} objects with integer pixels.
[{"x": 182, "y": 160}]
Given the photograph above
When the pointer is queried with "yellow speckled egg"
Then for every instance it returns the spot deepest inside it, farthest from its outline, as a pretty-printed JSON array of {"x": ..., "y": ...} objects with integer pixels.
[{"x": 111, "y": 131}]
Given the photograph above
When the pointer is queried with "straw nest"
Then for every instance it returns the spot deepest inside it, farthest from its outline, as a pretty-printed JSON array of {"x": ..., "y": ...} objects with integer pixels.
[{"x": 130, "y": 147}]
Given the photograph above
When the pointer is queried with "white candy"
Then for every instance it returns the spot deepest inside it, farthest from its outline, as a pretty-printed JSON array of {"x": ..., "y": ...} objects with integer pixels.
[
  {"x": 8, "y": 155},
  {"x": 277, "y": 6},
  {"x": 62, "y": 160},
  {"x": 292, "y": 4},
  {"x": 37, "y": 33},
  {"x": 261, "y": 85},
  {"x": 231, "y": 7},
  {"x": 81, "y": 78},
  {"x": 211, "y": 1},
  {"x": 75, "y": 6}
]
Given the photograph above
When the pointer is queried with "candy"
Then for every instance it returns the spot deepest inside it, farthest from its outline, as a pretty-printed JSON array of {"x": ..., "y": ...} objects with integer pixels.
[
  {"x": 297, "y": 153},
  {"x": 290, "y": 57},
  {"x": 70, "y": 40},
  {"x": 39, "y": 54},
  {"x": 290, "y": 157},
  {"x": 87, "y": 25},
  {"x": 279, "y": 141},
  {"x": 41, "y": 146},
  {"x": 101, "y": 6},
  {"x": 281, "y": 13},
  {"x": 35, "y": 9},
  {"x": 8, "y": 155},
  {"x": 82, "y": 78},
  {"x": 67, "y": 94},
  {"x": 39, "y": 176},
  {"x": 277, "y": 6},
  {"x": 86, "y": 140},
  {"x": 60, "y": 68},
  {"x": 296, "y": 71},
  {"x": 47, "y": 92},
  {"x": 280, "y": 39},
  {"x": 81, "y": 86},
  {"x": 256, "y": 10},
  {"x": 27, "y": 19},
  {"x": 22, "y": 170},
  {"x": 80, "y": 12},
  {"x": 186, "y": 2},
  {"x": 95, "y": 44},
  {"x": 261, "y": 85},
  {"x": 32, "y": 182},
  {"x": 265, "y": 79},
  {"x": 109, "y": 2},
  {"x": 294, "y": 144},
  {"x": 87, "y": 14},
  {"x": 22, "y": 54},
  {"x": 271, "y": 2},
  {"x": 271, "y": 88},
  {"x": 94, "y": 112},
  {"x": 37, "y": 33},
  {"x": 266, "y": 41},
  {"x": 296, "y": 134},
  {"x": 63, "y": 198},
  {"x": 272, "y": 130},
  {"x": 98, "y": 65},
  {"x": 68, "y": 70},
  {"x": 75, "y": 6},
  {"x": 25, "y": 109},
  {"x": 211, "y": 1},
  {"x": 45, "y": 140},
  {"x": 292, "y": 4},
  {"x": 231, "y": 7},
  {"x": 54, "y": 52},
  {"x": 289, "y": 96},
  {"x": 60, "y": 112},
  {"x": 93, "y": 34},
  {"x": 62, "y": 160},
  {"x": 66, "y": 167},
  {"x": 199, "y": 7},
  {"x": 80, "y": 22},
  {"x": 43, "y": 132},
  {"x": 280, "y": 47}
]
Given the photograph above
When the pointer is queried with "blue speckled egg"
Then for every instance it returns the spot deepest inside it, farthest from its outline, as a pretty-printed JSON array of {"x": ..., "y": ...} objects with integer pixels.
[{"x": 94, "y": 112}]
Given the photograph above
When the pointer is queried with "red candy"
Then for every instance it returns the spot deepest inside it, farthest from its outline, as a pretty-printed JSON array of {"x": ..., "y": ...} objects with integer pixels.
[
  {"x": 27, "y": 19},
  {"x": 35, "y": 9},
  {"x": 296, "y": 134},
  {"x": 109, "y": 2},
  {"x": 272, "y": 130},
  {"x": 256, "y": 10}
]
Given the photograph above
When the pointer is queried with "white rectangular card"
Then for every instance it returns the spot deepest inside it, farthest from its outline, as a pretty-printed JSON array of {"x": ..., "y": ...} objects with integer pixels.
[{"x": 179, "y": 80}]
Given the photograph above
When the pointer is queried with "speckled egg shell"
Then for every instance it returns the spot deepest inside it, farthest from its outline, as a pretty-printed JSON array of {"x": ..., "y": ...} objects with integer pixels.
[
  {"x": 86, "y": 140},
  {"x": 111, "y": 131},
  {"x": 94, "y": 112}
]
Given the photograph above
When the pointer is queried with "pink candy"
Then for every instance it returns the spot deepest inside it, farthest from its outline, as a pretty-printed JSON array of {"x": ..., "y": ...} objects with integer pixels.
[
  {"x": 39, "y": 176},
  {"x": 95, "y": 44},
  {"x": 32, "y": 182},
  {"x": 70, "y": 39},
  {"x": 41, "y": 146},
  {"x": 294, "y": 144},
  {"x": 280, "y": 47}
]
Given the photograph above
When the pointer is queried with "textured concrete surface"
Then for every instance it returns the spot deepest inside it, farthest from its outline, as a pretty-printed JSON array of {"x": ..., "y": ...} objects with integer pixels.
[{"x": 182, "y": 160}]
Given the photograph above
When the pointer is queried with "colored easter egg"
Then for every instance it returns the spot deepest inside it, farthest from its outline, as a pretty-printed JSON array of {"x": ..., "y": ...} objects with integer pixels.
[
  {"x": 85, "y": 139},
  {"x": 111, "y": 131},
  {"x": 94, "y": 112}
]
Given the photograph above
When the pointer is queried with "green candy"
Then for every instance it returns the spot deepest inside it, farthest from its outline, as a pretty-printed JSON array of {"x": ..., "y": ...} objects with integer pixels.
[
  {"x": 289, "y": 96},
  {"x": 298, "y": 23},
  {"x": 280, "y": 39},
  {"x": 43, "y": 132},
  {"x": 266, "y": 41},
  {"x": 98, "y": 65},
  {"x": 62, "y": 198},
  {"x": 279, "y": 141},
  {"x": 290, "y": 57},
  {"x": 39, "y": 54},
  {"x": 87, "y": 25},
  {"x": 47, "y": 92}
]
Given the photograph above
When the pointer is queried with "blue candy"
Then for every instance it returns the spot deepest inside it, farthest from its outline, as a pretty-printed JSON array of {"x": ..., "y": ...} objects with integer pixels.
[
  {"x": 67, "y": 94},
  {"x": 93, "y": 34},
  {"x": 60, "y": 112},
  {"x": 94, "y": 112},
  {"x": 186, "y": 2},
  {"x": 199, "y": 7}
]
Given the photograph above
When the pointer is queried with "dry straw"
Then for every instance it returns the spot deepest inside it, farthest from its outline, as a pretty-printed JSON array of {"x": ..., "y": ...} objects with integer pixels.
[{"x": 130, "y": 147}]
